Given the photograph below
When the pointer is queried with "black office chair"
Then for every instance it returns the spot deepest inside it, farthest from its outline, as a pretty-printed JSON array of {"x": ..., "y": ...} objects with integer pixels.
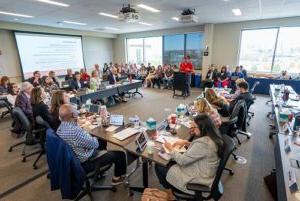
[
  {"x": 53, "y": 162},
  {"x": 40, "y": 121},
  {"x": 29, "y": 133},
  {"x": 5, "y": 104},
  {"x": 216, "y": 191},
  {"x": 250, "y": 114},
  {"x": 240, "y": 111}
]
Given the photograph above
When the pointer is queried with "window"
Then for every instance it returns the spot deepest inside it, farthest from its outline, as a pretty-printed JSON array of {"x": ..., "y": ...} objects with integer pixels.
[
  {"x": 194, "y": 48},
  {"x": 176, "y": 46},
  {"x": 271, "y": 50},
  {"x": 135, "y": 50},
  {"x": 153, "y": 50},
  {"x": 287, "y": 55},
  {"x": 173, "y": 49},
  {"x": 257, "y": 49},
  {"x": 144, "y": 50}
]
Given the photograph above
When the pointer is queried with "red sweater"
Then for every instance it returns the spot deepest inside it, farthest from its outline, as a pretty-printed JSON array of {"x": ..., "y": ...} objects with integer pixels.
[{"x": 186, "y": 67}]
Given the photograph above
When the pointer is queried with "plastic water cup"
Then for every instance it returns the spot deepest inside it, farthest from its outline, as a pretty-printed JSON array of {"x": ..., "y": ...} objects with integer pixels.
[{"x": 150, "y": 147}]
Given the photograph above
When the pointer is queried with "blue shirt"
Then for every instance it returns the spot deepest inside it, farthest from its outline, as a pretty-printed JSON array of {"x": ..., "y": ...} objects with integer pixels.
[
  {"x": 239, "y": 74},
  {"x": 81, "y": 142}
]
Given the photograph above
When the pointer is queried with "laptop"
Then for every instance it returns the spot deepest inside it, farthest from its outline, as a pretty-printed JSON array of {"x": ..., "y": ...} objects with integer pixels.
[{"x": 116, "y": 119}]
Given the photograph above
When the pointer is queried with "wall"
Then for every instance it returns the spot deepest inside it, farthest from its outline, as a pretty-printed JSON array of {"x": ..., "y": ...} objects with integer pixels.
[
  {"x": 226, "y": 40},
  {"x": 119, "y": 42},
  {"x": 97, "y": 47}
]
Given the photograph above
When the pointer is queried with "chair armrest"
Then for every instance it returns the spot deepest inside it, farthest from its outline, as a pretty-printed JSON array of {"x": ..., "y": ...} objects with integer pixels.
[{"x": 197, "y": 187}]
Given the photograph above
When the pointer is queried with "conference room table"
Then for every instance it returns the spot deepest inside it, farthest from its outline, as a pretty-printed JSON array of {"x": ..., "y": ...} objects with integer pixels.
[
  {"x": 286, "y": 151},
  {"x": 130, "y": 146},
  {"x": 82, "y": 96}
]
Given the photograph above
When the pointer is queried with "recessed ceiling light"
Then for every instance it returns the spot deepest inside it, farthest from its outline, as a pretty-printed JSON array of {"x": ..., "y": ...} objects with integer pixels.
[
  {"x": 237, "y": 12},
  {"x": 72, "y": 22},
  {"x": 145, "y": 23},
  {"x": 54, "y": 3},
  {"x": 111, "y": 28},
  {"x": 108, "y": 15},
  {"x": 154, "y": 10},
  {"x": 175, "y": 18},
  {"x": 16, "y": 14}
]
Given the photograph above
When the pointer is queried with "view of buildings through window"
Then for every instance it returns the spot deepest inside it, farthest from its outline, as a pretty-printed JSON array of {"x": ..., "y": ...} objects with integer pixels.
[
  {"x": 144, "y": 50},
  {"x": 271, "y": 50},
  {"x": 169, "y": 49}
]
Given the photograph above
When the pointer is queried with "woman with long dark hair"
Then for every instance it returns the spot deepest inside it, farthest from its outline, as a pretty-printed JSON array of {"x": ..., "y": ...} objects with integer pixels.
[{"x": 200, "y": 161}]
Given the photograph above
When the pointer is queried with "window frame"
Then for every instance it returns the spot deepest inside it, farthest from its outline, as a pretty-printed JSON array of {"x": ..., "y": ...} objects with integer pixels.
[
  {"x": 275, "y": 46},
  {"x": 126, "y": 44}
]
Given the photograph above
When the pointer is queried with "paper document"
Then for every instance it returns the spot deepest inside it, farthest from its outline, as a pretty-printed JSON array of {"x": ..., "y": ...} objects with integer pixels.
[
  {"x": 170, "y": 140},
  {"x": 111, "y": 128}
]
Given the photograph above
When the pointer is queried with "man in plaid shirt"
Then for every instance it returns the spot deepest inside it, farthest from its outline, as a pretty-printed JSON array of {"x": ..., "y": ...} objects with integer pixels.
[{"x": 87, "y": 148}]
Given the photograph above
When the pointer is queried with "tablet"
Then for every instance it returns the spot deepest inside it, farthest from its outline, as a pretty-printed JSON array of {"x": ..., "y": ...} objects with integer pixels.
[{"x": 141, "y": 141}]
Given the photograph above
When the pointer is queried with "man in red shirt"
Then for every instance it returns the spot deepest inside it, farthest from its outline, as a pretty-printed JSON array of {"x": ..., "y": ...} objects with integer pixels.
[{"x": 186, "y": 66}]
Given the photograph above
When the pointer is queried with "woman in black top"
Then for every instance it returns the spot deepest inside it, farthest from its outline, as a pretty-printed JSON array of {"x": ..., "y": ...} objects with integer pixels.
[
  {"x": 39, "y": 108},
  {"x": 59, "y": 97}
]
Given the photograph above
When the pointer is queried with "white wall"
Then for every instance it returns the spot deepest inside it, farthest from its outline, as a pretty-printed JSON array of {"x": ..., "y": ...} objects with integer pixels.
[
  {"x": 97, "y": 47},
  {"x": 97, "y": 50}
]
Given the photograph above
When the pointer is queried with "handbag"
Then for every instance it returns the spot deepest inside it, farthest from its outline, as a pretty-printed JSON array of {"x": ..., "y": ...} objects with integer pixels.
[{"x": 153, "y": 194}]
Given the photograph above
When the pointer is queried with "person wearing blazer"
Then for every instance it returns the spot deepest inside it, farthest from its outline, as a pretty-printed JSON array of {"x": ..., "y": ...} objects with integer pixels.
[
  {"x": 23, "y": 99},
  {"x": 200, "y": 161},
  {"x": 77, "y": 83},
  {"x": 113, "y": 79}
]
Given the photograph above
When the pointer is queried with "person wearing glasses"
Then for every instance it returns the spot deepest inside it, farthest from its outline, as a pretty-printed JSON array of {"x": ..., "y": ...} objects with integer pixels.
[{"x": 200, "y": 161}]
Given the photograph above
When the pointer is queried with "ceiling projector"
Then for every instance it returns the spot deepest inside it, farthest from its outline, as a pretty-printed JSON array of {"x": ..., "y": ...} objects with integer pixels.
[
  {"x": 128, "y": 14},
  {"x": 188, "y": 16}
]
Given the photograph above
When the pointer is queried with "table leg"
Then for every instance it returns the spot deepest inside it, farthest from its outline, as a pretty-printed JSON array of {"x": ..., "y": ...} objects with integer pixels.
[
  {"x": 145, "y": 179},
  {"x": 137, "y": 92}
]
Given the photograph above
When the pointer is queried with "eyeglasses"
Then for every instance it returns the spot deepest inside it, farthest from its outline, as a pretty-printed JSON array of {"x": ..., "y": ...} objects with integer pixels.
[{"x": 194, "y": 127}]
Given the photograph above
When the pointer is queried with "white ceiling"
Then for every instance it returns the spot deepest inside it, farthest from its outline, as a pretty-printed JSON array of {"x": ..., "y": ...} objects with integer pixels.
[{"x": 85, "y": 11}]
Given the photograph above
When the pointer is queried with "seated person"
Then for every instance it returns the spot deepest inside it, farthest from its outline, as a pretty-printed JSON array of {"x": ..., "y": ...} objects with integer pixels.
[
  {"x": 39, "y": 108},
  {"x": 36, "y": 79},
  {"x": 13, "y": 91},
  {"x": 69, "y": 76},
  {"x": 150, "y": 77},
  {"x": 97, "y": 68},
  {"x": 59, "y": 97},
  {"x": 203, "y": 106},
  {"x": 88, "y": 149},
  {"x": 244, "y": 94},
  {"x": 132, "y": 71},
  {"x": 159, "y": 74},
  {"x": 230, "y": 97},
  {"x": 49, "y": 85},
  {"x": 95, "y": 81},
  {"x": 244, "y": 71},
  {"x": 200, "y": 161},
  {"x": 219, "y": 102},
  {"x": 237, "y": 72},
  {"x": 4, "y": 85},
  {"x": 168, "y": 77},
  {"x": 114, "y": 79},
  {"x": 209, "y": 78},
  {"x": 54, "y": 78},
  {"x": 23, "y": 99},
  {"x": 77, "y": 83},
  {"x": 284, "y": 75},
  {"x": 223, "y": 79},
  {"x": 142, "y": 73},
  {"x": 84, "y": 76}
]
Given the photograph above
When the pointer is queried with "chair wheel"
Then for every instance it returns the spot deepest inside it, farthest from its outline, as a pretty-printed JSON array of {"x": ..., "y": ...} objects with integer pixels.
[
  {"x": 114, "y": 189},
  {"x": 248, "y": 137},
  {"x": 23, "y": 154},
  {"x": 35, "y": 167},
  {"x": 24, "y": 160},
  {"x": 130, "y": 193},
  {"x": 10, "y": 149},
  {"x": 231, "y": 173}
]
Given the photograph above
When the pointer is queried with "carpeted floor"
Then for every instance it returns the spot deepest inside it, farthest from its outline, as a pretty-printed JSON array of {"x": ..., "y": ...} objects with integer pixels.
[{"x": 246, "y": 185}]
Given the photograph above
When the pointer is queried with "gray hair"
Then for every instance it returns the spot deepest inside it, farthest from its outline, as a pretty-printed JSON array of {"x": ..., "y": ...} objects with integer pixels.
[{"x": 25, "y": 85}]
